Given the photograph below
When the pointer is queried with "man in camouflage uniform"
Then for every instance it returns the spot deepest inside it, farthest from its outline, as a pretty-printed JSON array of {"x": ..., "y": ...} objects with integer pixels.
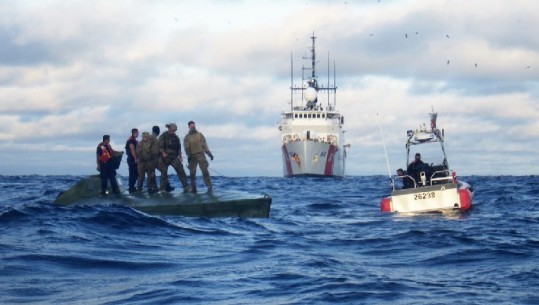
[
  {"x": 147, "y": 152},
  {"x": 170, "y": 150},
  {"x": 195, "y": 147}
]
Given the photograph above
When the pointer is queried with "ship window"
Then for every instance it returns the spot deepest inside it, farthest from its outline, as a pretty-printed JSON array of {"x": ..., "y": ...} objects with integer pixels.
[
  {"x": 296, "y": 115},
  {"x": 318, "y": 115},
  {"x": 323, "y": 115}
]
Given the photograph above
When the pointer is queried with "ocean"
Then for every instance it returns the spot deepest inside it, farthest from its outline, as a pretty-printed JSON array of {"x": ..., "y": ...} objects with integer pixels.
[{"x": 325, "y": 242}]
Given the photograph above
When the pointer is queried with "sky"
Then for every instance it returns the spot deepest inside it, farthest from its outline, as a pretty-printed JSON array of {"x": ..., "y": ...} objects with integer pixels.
[{"x": 71, "y": 71}]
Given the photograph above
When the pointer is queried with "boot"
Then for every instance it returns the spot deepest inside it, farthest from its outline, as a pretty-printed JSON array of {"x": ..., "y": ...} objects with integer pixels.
[
  {"x": 193, "y": 184},
  {"x": 169, "y": 188}
]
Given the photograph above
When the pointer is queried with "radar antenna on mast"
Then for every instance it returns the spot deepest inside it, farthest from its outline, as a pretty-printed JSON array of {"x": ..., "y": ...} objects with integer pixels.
[{"x": 310, "y": 87}]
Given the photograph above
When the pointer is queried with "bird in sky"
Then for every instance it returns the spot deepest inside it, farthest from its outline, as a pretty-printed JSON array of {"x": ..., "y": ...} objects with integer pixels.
[
  {"x": 446, "y": 35},
  {"x": 448, "y": 61}
]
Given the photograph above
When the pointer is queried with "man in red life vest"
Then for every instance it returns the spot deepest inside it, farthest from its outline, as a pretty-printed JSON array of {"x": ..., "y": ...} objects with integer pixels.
[{"x": 106, "y": 166}]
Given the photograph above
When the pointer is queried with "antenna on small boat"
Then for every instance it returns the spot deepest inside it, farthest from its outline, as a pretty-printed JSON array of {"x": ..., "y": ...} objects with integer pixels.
[{"x": 384, "y": 142}]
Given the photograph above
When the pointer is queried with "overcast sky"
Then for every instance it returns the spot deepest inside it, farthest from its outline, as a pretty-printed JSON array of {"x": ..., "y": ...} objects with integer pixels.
[{"x": 71, "y": 71}]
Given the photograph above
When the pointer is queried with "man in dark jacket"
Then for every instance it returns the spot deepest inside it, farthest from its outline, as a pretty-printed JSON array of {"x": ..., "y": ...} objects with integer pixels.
[
  {"x": 416, "y": 167},
  {"x": 170, "y": 150},
  {"x": 130, "y": 150}
]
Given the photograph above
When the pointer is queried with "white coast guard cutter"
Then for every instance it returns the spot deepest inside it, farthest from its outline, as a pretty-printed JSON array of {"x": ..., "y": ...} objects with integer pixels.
[
  {"x": 312, "y": 135},
  {"x": 434, "y": 187}
]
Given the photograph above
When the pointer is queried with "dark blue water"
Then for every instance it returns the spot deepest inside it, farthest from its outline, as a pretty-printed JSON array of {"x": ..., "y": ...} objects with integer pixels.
[{"x": 326, "y": 242}]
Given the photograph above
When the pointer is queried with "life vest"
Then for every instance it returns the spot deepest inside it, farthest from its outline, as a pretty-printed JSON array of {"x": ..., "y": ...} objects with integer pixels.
[{"x": 105, "y": 153}]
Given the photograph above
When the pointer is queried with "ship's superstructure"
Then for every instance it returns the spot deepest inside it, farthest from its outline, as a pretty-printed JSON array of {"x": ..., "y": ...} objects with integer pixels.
[{"x": 312, "y": 135}]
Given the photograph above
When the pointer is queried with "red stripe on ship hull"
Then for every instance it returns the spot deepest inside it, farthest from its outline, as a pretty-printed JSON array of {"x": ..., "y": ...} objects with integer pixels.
[
  {"x": 287, "y": 161},
  {"x": 328, "y": 171}
]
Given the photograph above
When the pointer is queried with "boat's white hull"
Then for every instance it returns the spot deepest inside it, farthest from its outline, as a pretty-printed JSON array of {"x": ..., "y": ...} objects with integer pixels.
[
  {"x": 439, "y": 197},
  {"x": 311, "y": 158}
]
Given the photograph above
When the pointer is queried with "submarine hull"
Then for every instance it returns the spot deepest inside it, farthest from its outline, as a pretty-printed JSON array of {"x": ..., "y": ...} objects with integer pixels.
[{"x": 212, "y": 204}]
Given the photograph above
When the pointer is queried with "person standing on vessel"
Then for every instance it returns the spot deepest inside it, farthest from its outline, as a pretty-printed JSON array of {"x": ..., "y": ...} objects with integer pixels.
[
  {"x": 170, "y": 149},
  {"x": 195, "y": 147},
  {"x": 155, "y": 133},
  {"x": 148, "y": 153},
  {"x": 106, "y": 166},
  {"x": 416, "y": 167},
  {"x": 130, "y": 150},
  {"x": 406, "y": 181}
]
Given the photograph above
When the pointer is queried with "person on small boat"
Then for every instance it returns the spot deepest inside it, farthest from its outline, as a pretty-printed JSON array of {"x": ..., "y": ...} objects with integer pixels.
[
  {"x": 148, "y": 153},
  {"x": 416, "y": 167},
  {"x": 130, "y": 151},
  {"x": 106, "y": 166},
  {"x": 196, "y": 147},
  {"x": 170, "y": 150},
  {"x": 406, "y": 181}
]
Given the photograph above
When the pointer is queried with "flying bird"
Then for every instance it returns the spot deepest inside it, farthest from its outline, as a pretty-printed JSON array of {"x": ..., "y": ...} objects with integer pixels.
[
  {"x": 448, "y": 61},
  {"x": 528, "y": 67},
  {"x": 476, "y": 65},
  {"x": 446, "y": 35},
  {"x": 406, "y": 35}
]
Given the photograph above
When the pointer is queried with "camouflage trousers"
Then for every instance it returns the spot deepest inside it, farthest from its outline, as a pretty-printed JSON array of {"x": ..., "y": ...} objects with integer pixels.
[
  {"x": 146, "y": 168},
  {"x": 200, "y": 160},
  {"x": 178, "y": 167}
]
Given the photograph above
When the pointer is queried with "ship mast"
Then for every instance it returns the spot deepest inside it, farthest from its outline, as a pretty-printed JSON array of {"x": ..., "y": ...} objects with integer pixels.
[{"x": 310, "y": 88}]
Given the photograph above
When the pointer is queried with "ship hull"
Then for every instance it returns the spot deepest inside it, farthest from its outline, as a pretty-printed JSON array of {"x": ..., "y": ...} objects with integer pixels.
[
  {"x": 214, "y": 204},
  {"x": 310, "y": 158}
]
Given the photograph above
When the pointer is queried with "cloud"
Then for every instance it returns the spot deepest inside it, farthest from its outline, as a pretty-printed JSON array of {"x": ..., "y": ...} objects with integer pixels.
[{"x": 73, "y": 71}]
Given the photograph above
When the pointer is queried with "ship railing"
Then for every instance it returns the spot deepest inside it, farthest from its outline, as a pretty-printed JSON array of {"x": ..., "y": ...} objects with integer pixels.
[
  {"x": 441, "y": 176},
  {"x": 297, "y": 138},
  {"x": 437, "y": 177},
  {"x": 395, "y": 178}
]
